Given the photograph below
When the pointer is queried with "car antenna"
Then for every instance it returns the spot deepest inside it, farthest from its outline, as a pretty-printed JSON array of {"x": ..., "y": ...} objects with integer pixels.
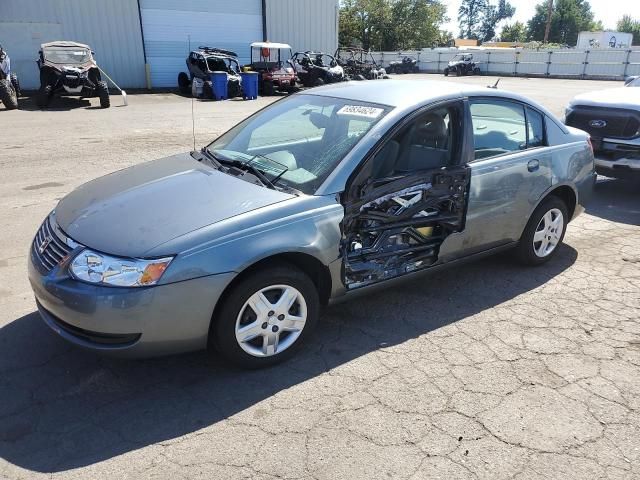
[
  {"x": 193, "y": 121},
  {"x": 495, "y": 85}
]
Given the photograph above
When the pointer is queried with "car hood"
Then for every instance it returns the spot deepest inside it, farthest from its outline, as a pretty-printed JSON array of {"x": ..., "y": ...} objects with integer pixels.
[
  {"x": 131, "y": 211},
  {"x": 623, "y": 97}
]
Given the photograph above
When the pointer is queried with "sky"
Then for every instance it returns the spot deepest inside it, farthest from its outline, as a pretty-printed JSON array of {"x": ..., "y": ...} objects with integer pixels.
[{"x": 609, "y": 11}]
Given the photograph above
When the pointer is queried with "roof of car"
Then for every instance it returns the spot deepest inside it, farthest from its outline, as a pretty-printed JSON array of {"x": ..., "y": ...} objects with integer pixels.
[
  {"x": 62, "y": 43},
  {"x": 402, "y": 93},
  {"x": 270, "y": 45}
]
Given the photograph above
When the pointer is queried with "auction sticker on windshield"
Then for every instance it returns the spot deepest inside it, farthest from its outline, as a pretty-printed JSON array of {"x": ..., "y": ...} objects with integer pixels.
[{"x": 360, "y": 111}]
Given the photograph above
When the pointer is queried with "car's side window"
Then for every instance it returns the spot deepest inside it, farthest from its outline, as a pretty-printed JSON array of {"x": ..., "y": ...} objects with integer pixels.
[
  {"x": 424, "y": 143},
  {"x": 499, "y": 127},
  {"x": 535, "y": 129}
]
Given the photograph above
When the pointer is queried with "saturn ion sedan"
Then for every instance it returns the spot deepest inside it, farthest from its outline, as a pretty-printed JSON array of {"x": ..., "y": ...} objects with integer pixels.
[{"x": 315, "y": 198}]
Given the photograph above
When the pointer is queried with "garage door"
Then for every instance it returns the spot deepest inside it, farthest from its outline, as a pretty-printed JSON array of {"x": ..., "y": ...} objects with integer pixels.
[{"x": 168, "y": 24}]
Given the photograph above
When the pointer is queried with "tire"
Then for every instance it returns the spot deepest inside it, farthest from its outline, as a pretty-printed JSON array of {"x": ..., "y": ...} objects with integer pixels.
[
  {"x": 268, "y": 88},
  {"x": 446, "y": 72},
  {"x": 532, "y": 252},
  {"x": 476, "y": 71},
  {"x": 102, "y": 90},
  {"x": 16, "y": 84},
  {"x": 235, "y": 310},
  {"x": 319, "y": 82},
  {"x": 44, "y": 96},
  {"x": 8, "y": 95},
  {"x": 458, "y": 72},
  {"x": 184, "y": 84}
]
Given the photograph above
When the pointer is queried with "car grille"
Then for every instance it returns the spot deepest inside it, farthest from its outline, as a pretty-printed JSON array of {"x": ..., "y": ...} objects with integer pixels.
[
  {"x": 620, "y": 123},
  {"x": 48, "y": 247},
  {"x": 71, "y": 81}
]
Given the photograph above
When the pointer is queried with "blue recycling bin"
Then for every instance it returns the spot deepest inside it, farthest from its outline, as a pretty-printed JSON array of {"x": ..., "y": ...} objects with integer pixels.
[
  {"x": 249, "y": 85},
  {"x": 219, "y": 82}
]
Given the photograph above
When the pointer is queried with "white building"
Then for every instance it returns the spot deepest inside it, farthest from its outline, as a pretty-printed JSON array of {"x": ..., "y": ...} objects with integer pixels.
[{"x": 126, "y": 35}]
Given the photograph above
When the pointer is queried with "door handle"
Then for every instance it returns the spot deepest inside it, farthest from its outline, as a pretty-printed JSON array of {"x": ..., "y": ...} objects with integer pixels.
[{"x": 533, "y": 165}]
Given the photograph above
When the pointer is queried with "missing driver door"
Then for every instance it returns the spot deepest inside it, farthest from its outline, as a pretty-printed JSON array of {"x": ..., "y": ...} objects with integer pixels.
[{"x": 409, "y": 196}]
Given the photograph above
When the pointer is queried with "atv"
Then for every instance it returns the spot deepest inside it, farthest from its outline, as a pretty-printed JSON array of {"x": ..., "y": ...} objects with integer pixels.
[
  {"x": 359, "y": 64},
  {"x": 201, "y": 64},
  {"x": 462, "y": 64},
  {"x": 316, "y": 68},
  {"x": 69, "y": 68},
  {"x": 9, "y": 86},
  {"x": 267, "y": 59},
  {"x": 406, "y": 65}
]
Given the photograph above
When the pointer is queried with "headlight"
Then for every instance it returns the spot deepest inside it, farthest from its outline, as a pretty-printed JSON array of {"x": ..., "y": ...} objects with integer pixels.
[{"x": 93, "y": 267}]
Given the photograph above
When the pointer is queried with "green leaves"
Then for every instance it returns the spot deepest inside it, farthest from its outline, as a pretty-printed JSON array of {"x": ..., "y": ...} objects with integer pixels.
[
  {"x": 478, "y": 18},
  {"x": 392, "y": 24}
]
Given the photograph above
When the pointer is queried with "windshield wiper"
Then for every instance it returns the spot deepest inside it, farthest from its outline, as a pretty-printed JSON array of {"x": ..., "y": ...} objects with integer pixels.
[{"x": 246, "y": 166}]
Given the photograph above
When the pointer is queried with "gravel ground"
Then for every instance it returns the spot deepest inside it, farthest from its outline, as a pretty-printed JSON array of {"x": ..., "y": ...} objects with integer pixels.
[{"x": 486, "y": 371}]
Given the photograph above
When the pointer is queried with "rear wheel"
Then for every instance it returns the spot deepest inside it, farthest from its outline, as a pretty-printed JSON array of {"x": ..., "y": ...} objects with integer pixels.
[
  {"x": 15, "y": 83},
  {"x": 266, "y": 317},
  {"x": 544, "y": 233},
  {"x": 476, "y": 71},
  {"x": 8, "y": 94},
  {"x": 44, "y": 96},
  {"x": 184, "y": 85},
  {"x": 103, "y": 92},
  {"x": 446, "y": 72}
]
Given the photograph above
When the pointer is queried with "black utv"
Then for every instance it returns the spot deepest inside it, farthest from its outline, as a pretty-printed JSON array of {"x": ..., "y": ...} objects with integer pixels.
[
  {"x": 359, "y": 64},
  {"x": 406, "y": 65},
  {"x": 68, "y": 68},
  {"x": 201, "y": 64},
  {"x": 462, "y": 64},
  {"x": 316, "y": 68},
  {"x": 9, "y": 86}
]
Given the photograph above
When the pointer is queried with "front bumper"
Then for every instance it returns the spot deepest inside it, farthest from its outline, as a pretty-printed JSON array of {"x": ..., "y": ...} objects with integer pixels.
[{"x": 128, "y": 322}]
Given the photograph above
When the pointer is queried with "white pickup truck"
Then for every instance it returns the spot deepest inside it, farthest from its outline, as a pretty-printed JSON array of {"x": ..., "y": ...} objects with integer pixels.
[{"x": 612, "y": 118}]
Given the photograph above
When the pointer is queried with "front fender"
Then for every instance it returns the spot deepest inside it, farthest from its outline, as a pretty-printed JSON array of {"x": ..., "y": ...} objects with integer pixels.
[{"x": 310, "y": 226}]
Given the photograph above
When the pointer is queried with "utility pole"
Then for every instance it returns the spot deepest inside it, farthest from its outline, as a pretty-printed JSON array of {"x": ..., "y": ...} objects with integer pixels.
[{"x": 548, "y": 26}]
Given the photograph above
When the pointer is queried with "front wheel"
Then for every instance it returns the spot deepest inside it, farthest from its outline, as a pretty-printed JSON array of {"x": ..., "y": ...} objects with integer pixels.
[
  {"x": 266, "y": 317},
  {"x": 184, "y": 85},
  {"x": 16, "y": 84},
  {"x": 544, "y": 232},
  {"x": 446, "y": 72},
  {"x": 8, "y": 94},
  {"x": 103, "y": 92}
]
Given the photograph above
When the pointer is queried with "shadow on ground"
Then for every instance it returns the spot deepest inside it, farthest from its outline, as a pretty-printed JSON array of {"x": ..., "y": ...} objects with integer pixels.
[
  {"x": 616, "y": 200},
  {"x": 62, "y": 408},
  {"x": 57, "y": 103}
]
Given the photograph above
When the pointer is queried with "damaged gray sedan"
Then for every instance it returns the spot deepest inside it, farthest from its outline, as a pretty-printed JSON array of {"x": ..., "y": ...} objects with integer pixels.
[{"x": 317, "y": 197}]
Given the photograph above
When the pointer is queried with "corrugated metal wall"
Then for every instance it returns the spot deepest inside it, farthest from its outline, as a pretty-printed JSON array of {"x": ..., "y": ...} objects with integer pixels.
[
  {"x": 304, "y": 24},
  {"x": 596, "y": 63},
  {"x": 110, "y": 27},
  {"x": 167, "y": 24}
]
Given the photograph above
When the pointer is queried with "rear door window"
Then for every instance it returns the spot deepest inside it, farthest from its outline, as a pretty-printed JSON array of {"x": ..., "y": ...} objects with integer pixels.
[
  {"x": 499, "y": 127},
  {"x": 535, "y": 129}
]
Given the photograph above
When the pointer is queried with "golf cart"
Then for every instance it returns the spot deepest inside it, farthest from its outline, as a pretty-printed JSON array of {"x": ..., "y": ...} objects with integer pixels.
[
  {"x": 316, "y": 68},
  {"x": 70, "y": 69},
  {"x": 201, "y": 64},
  {"x": 462, "y": 64},
  {"x": 359, "y": 64},
  {"x": 406, "y": 65},
  {"x": 272, "y": 62},
  {"x": 9, "y": 86}
]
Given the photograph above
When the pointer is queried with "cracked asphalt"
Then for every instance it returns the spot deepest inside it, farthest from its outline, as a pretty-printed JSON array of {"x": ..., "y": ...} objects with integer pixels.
[{"x": 488, "y": 371}]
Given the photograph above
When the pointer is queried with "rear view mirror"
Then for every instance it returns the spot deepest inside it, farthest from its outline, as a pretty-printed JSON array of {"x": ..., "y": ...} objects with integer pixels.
[{"x": 319, "y": 120}]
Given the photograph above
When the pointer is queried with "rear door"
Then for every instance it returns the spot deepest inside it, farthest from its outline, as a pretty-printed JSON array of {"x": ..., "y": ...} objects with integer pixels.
[
  {"x": 510, "y": 171},
  {"x": 409, "y": 196}
]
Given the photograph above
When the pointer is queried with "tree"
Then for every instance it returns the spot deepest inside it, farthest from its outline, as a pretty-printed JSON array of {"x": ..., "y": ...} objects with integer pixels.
[
  {"x": 391, "y": 24},
  {"x": 628, "y": 24},
  {"x": 478, "y": 18},
  {"x": 569, "y": 18},
  {"x": 514, "y": 33}
]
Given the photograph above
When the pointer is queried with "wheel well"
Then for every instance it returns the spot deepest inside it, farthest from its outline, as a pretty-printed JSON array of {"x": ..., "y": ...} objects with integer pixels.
[{"x": 568, "y": 196}]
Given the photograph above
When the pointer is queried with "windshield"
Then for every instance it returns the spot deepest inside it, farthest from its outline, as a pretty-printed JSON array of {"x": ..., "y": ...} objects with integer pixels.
[
  {"x": 67, "y": 55},
  {"x": 301, "y": 139}
]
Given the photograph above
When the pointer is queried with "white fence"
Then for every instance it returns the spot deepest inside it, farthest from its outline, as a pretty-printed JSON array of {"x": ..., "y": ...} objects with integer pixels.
[{"x": 570, "y": 63}]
